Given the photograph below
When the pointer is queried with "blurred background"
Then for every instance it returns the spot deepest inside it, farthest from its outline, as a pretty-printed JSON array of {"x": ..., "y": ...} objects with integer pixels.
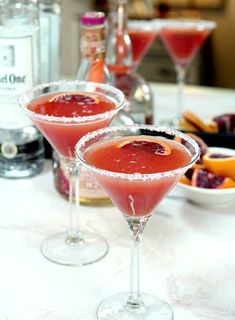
[{"x": 213, "y": 66}]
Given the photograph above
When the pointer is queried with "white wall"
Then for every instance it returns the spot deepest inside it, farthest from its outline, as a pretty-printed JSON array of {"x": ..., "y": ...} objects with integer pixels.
[
  {"x": 71, "y": 10},
  {"x": 224, "y": 47}
]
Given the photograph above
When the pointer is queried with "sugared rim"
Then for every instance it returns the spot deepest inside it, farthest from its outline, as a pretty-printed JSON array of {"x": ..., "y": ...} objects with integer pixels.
[
  {"x": 25, "y": 99},
  {"x": 132, "y": 129},
  {"x": 188, "y": 23},
  {"x": 145, "y": 25}
]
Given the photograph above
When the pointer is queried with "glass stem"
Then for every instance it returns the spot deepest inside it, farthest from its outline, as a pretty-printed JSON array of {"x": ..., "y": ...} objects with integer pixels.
[
  {"x": 136, "y": 227},
  {"x": 73, "y": 170},
  {"x": 180, "y": 74}
]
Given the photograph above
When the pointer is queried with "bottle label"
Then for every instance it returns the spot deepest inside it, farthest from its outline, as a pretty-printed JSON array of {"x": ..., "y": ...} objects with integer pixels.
[
  {"x": 89, "y": 187},
  {"x": 93, "y": 44},
  {"x": 16, "y": 75}
]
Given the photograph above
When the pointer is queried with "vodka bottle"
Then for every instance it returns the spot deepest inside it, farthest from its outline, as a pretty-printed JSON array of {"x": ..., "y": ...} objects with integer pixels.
[
  {"x": 21, "y": 145},
  {"x": 119, "y": 60},
  {"x": 50, "y": 12}
]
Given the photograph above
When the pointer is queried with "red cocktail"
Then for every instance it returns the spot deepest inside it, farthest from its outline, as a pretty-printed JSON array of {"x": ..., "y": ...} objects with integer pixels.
[
  {"x": 141, "y": 41},
  {"x": 64, "y": 111},
  {"x": 183, "y": 39},
  {"x": 183, "y": 44},
  {"x": 63, "y": 135},
  {"x": 137, "y": 166},
  {"x": 138, "y": 154},
  {"x": 142, "y": 34}
]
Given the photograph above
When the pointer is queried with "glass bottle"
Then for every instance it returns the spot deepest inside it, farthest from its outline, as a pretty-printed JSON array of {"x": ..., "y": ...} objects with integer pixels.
[
  {"x": 50, "y": 14},
  {"x": 91, "y": 68},
  {"x": 92, "y": 48},
  {"x": 21, "y": 145},
  {"x": 120, "y": 63}
]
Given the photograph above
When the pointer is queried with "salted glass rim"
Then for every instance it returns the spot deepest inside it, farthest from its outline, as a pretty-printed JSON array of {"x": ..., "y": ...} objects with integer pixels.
[
  {"x": 183, "y": 23},
  {"x": 135, "y": 24},
  {"x": 136, "y": 176},
  {"x": 25, "y": 99}
]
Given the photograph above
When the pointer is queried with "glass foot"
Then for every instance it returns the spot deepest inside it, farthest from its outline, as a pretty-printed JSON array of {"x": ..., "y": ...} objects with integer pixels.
[
  {"x": 116, "y": 308},
  {"x": 171, "y": 123},
  {"x": 79, "y": 251}
]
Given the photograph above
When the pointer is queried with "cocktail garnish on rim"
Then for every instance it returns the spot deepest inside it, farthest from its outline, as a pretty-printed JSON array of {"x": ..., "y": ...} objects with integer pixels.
[{"x": 156, "y": 146}]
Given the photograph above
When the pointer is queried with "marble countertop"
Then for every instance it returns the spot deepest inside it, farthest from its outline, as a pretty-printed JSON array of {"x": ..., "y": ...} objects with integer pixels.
[{"x": 188, "y": 252}]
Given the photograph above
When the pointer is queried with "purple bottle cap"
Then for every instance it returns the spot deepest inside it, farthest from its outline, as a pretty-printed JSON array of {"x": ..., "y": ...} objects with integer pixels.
[{"x": 93, "y": 18}]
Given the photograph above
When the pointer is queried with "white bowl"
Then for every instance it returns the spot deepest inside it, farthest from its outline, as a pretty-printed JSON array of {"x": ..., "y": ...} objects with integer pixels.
[{"x": 210, "y": 198}]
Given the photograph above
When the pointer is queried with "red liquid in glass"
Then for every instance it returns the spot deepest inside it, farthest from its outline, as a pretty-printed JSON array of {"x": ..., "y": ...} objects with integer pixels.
[
  {"x": 63, "y": 135},
  {"x": 141, "y": 41},
  {"x": 183, "y": 44},
  {"x": 136, "y": 198}
]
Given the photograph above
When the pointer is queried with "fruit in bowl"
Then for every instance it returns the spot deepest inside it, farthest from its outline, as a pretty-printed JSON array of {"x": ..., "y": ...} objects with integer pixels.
[
  {"x": 211, "y": 181},
  {"x": 222, "y": 123}
]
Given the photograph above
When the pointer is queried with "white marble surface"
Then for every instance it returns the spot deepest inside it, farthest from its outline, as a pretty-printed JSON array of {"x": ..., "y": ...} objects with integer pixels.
[
  {"x": 204, "y": 101},
  {"x": 188, "y": 254}
]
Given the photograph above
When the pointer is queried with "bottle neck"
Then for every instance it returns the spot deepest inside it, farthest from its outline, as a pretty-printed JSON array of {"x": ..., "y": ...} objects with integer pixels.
[
  {"x": 118, "y": 16},
  {"x": 20, "y": 12},
  {"x": 119, "y": 50}
]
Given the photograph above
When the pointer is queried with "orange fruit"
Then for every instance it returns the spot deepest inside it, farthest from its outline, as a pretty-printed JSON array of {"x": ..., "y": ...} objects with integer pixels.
[
  {"x": 156, "y": 146},
  {"x": 220, "y": 164},
  {"x": 185, "y": 180}
]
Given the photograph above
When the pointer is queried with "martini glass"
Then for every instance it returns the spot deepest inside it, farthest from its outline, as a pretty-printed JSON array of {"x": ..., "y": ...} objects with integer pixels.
[
  {"x": 182, "y": 39},
  {"x": 142, "y": 34},
  {"x": 137, "y": 166},
  {"x": 64, "y": 111}
]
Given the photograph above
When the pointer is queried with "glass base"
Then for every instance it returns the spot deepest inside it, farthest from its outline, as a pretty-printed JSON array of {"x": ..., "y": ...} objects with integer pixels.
[
  {"x": 116, "y": 308},
  {"x": 21, "y": 152},
  {"x": 77, "y": 251},
  {"x": 171, "y": 123}
]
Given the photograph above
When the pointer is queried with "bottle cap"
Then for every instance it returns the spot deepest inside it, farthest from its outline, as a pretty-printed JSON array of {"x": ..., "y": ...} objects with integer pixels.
[{"x": 93, "y": 18}]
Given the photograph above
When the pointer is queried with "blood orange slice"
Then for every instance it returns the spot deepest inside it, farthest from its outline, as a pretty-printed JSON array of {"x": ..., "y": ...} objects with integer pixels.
[
  {"x": 81, "y": 98},
  {"x": 205, "y": 179},
  {"x": 220, "y": 164},
  {"x": 152, "y": 145}
]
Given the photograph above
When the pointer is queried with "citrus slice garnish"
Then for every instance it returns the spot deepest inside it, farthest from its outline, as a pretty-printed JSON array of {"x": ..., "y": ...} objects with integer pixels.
[
  {"x": 156, "y": 146},
  {"x": 205, "y": 179},
  {"x": 80, "y": 98},
  {"x": 220, "y": 164}
]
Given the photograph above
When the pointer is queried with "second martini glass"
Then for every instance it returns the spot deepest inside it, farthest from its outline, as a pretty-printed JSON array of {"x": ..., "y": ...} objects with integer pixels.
[
  {"x": 64, "y": 111},
  {"x": 142, "y": 34},
  {"x": 137, "y": 166},
  {"x": 182, "y": 39}
]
